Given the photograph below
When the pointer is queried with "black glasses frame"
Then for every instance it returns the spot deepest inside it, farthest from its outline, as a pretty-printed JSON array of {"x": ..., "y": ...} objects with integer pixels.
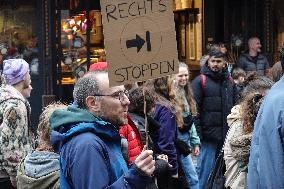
[{"x": 120, "y": 95}]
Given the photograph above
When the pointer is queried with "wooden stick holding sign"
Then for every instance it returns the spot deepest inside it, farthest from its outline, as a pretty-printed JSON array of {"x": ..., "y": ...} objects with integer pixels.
[{"x": 146, "y": 121}]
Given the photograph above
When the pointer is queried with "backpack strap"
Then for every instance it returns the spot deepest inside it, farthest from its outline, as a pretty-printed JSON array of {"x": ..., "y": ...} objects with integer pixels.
[
  {"x": 231, "y": 79},
  {"x": 203, "y": 81}
]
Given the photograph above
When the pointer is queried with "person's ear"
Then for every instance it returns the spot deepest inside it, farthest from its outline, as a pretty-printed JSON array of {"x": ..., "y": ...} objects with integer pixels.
[{"x": 92, "y": 103}]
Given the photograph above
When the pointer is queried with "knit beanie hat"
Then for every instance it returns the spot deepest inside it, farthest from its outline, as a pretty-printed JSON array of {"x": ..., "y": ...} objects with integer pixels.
[
  {"x": 98, "y": 66},
  {"x": 15, "y": 70}
]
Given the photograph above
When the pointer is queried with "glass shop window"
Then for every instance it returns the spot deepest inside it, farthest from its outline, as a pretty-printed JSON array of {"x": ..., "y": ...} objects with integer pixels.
[
  {"x": 74, "y": 44},
  {"x": 18, "y": 34}
]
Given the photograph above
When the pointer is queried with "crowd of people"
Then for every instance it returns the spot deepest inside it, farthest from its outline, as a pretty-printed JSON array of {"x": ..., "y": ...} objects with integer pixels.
[{"x": 147, "y": 135}]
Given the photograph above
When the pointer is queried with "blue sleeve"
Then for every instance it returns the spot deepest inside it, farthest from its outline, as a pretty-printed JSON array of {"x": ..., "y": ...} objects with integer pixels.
[
  {"x": 167, "y": 136},
  {"x": 89, "y": 170},
  {"x": 269, "y": 161},
  {"x": 198, "y": 97}
]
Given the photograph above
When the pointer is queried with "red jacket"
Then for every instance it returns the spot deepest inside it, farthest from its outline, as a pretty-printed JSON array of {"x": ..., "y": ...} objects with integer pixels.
[{"x": 132, "y": 134}]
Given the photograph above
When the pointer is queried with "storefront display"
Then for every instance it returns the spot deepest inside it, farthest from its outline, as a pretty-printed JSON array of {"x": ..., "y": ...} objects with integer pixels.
[
  {"x": 74, "y": 43},
  {"x": 18, "y": 33}
]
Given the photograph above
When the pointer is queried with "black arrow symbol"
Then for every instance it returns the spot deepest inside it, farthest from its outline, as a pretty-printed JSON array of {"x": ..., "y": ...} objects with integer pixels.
[
  {"x": 148, "y": 41},
  {"x": 138, "y": 42}
]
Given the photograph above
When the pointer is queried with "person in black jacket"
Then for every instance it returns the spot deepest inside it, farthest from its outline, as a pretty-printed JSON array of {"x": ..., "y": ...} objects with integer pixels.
[{"x": 215, "y": 94}]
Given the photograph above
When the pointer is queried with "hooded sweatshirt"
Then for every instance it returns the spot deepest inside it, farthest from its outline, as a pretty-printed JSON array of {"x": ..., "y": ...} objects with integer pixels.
[
  {"x": 40, "y": 170},
  {"x": 16, "y": 138},
  {"x": 90, "y": 152}
]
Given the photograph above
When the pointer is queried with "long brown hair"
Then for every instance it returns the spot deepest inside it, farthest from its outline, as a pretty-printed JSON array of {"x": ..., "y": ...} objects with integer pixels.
[
  {"x": 179, "y": 107},
  {"x": 160, "y": 91},
  {"x": 250, "y": 107},
  {"x": 276, "y": 71},
  {"x": 252, "y": 96}
]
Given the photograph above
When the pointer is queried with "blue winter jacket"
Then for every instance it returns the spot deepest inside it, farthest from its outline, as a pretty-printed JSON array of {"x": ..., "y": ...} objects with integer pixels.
[
  {"x": 167, "y": 135},
  {"x": 266, "y": 162},
  {"x": 90, "y": 153}
]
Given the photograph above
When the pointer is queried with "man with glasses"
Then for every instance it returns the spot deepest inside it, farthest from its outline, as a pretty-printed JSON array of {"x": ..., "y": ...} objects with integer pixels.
[
  {"x": 215, "y": 94},
  {"x": 87, "y": 138}
]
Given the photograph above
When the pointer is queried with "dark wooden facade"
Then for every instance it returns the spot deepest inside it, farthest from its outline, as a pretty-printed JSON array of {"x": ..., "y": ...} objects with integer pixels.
[
  {"x": 221, "y": 20},
  {"x": 224, "y": 19}
]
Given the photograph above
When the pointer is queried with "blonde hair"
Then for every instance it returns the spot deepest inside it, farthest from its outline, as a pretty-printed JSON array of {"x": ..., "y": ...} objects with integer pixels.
[
  {"x": 44, "y": 128},
  {"x": 189, "y": 93}
]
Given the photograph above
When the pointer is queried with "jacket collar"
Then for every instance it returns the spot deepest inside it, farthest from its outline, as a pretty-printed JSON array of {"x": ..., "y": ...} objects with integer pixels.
[{"x": 216, "y": 76}]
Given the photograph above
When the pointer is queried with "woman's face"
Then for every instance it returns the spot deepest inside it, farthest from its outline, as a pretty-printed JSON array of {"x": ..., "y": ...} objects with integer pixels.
[{"x": 182, "y": 77}]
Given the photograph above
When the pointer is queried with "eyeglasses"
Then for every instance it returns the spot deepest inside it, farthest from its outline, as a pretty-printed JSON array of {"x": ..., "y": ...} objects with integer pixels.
[{"x": 120, "y": 95}]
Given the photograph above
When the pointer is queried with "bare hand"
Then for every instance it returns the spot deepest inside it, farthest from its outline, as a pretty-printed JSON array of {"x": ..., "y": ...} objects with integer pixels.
[
  {"x": 145, "y": 162},
  {"x": 196, "y": 151}
]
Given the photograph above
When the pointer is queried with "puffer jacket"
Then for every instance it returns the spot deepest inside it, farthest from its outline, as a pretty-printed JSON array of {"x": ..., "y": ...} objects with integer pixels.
[
  {"x": 40, "y": 170},
  {"x": 16, "y": 137},
  {"x": 246, "y": 63},
  {"x": 235, "y": 177},
  {"x": 214, "y": 103},
  {"x": 131, "y": 133}
]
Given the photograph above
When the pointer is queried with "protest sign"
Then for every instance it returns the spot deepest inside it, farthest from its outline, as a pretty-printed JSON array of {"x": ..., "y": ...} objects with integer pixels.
[{"x": 140, "y": 39}]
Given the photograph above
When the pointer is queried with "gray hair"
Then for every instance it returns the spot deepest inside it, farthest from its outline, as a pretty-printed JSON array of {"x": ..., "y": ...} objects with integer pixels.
[{"x": 86, "y": 86}]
